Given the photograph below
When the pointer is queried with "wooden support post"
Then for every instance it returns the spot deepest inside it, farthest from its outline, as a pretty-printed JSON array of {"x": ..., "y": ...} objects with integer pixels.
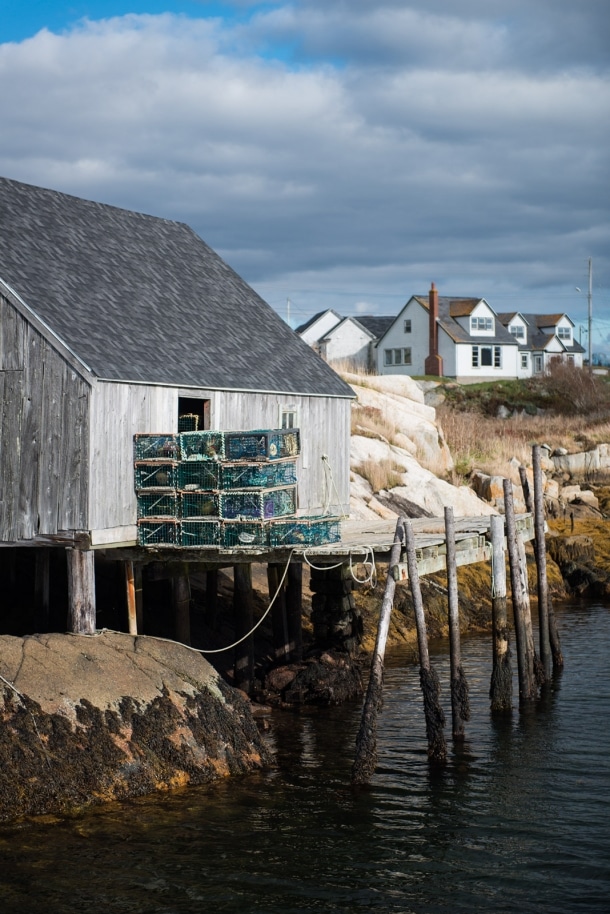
[
  {"x": 501, "y": 688},
  {"x": 555, "y": 644},
  {"x": 460, "y": 705},
  {"x": 211, "y": 597},
  {"x": 433, "y": 713},
  {"x": 294, "y": 610},
  {"x": 366, "y": 741},
  {"x": 279, "y": 623},
  {"x": 540, "y": 551},
  {"x": 130, "y": 586},
  {"x": 139, "y": 594},
  {"x": 243, "y": 612},
  {"x": 42, "y": 586},
  {"x": 81, "y": 591},
  {"x": 181, "y": 591},
  {"x": 520, "y": 596}
]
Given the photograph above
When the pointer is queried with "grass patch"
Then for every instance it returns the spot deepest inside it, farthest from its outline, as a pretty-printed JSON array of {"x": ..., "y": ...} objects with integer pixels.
[{"x": 380, "y": 474}]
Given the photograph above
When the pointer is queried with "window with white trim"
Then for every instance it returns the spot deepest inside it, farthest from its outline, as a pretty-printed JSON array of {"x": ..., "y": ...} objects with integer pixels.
[
  {"x": 518, "y": 331},
  {"x": 289, "y": 417},
  {"x": 478, "y": 324},
  {"x": 487, "y": 356},
  {"x": 564, "y": 333},
  {"x": 397, "y": 356},
  {"x": 408, "y": 326},
  {"x": 524, "y": 360}
]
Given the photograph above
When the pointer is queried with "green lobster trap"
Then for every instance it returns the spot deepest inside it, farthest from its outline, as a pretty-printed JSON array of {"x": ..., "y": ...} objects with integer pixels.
[
  {"x": 258, "y": 475},
  {"x": 260, "y": 444},
  {"x": 199, "y": 504},
  {"x": 157, "y": 504},
  {"x": 156, "y": 447},
  {"x": 203, "y": 445},
  {"x": 158, "y": 532},
  {"x": 258, "y": 504},
  {"x": 200, "y": 533},
  {"x": 310, "y": 531},
  {"x": 244, "y": 533},
  {"x": 156, "y": 475},
  {"x": 199, "y": 475}
]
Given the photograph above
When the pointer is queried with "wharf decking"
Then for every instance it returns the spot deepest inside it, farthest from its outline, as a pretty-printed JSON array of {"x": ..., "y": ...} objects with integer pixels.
[{"x": 360, "y": 540}]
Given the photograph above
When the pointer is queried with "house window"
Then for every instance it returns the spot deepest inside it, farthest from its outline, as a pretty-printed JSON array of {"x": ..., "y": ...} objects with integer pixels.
[
  {"x": 408, "y": 326},
  {"x": 518, "y": 331},
  {"x": 497, "y": 357},
  {"x": 564, "y": 333},
  {"x": 477, "y": 324},
  {"x": 397, "y": 356},
  {"x": 475, "y": 356},
  {"x": 486, "y": 356},
  {"x": 289, "y": 417},
  {"x": 524, "y": 360}
]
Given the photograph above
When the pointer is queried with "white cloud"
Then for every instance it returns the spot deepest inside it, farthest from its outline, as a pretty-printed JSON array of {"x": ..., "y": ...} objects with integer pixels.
[{"x": 429, "y": 154}]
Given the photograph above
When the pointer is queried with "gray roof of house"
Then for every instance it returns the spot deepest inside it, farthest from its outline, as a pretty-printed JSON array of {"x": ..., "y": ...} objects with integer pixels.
[
  {"x": 454, "y": 329},
  {"x": 377, "y": 325},
  {"x": 138, "y": 298}
]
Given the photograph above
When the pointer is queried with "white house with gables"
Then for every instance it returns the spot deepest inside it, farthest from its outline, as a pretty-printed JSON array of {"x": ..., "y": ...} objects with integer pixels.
[
  {"x": 345, "y": 340},
  {"x": 542, "y": 338},
  {"x": 465, "y": 339}
]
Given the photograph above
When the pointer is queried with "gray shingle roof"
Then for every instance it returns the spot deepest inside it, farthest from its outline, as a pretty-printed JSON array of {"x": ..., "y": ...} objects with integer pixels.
[
  {"x": 139, "y": 298},
  {"x": 375, "y": 324}
]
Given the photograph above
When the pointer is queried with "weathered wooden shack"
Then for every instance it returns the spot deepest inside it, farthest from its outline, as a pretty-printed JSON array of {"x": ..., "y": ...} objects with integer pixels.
[{"x": 114, "y": 323}]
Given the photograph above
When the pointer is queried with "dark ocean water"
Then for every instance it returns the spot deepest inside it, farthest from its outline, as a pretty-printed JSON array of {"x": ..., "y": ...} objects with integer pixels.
[{"x": 518, "y": 821}]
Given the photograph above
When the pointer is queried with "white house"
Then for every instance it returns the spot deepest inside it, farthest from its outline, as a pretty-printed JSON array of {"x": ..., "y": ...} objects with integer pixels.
[
  {"x": 542, "y": 338},
  {"x": 348, "y": 340},
  {"x": 460, "y": 338}
]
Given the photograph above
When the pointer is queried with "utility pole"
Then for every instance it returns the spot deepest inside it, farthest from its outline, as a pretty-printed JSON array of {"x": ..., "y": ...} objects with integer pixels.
[{"x": 590, "y": 312}]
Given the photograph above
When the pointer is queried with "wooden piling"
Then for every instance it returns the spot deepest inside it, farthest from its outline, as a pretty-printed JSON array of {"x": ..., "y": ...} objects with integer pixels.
[
  {"x": 366, "y": 741},
  {"x": 540, "y": 553},
  {"x": 211, "y": 596},
  {"x": 130, "y": 587},
  {"x": 181, "y": 590},
  {"x": 501, "y": 688},
  {"x": 279, "y": 622},
  {"x": 520, "y": 598},
  {"x": 430, "y": 686},
  {"x": 139, "y": 595},
  {"x": 81, "y": 591},
  {"x": 243, "y": 611},
  {"x": 460, "y": 705},
  {"x": 294, "y": 610},
  {"x": 553, "y": 633}
]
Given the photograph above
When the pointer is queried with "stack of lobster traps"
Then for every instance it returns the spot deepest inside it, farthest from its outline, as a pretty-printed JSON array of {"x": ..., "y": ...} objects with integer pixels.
[{"x": 224, "y": 489}]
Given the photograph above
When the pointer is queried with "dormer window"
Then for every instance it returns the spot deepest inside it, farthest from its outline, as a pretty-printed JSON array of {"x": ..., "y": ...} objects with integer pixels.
[
  {"x": 481, "y": 324},
  {"x": 564, "y": 333},
  {"x": 518, "y": 331}
]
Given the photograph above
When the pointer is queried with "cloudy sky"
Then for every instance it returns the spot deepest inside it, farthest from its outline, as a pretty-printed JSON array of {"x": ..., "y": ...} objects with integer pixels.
[{"x": 337, "y": 153}]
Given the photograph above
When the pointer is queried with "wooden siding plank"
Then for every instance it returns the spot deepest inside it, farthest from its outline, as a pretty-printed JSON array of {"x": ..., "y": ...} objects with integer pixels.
[
  {"x": 10, "y": 433},
  {"x": 31, "y": 437},
  {"x": 12, "y": 335},
  {"x": 51, "y": 451}
]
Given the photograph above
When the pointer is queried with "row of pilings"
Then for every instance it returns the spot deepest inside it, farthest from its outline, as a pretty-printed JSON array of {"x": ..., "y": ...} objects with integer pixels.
[{"x": 535, "y": 668}]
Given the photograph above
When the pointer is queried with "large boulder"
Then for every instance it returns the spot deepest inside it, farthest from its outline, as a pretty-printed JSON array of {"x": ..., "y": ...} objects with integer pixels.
[{"x": 87, "y": 719}]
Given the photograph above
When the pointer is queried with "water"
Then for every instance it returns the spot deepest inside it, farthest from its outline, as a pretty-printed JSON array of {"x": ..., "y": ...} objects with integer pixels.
[{"x": 519, "y": 820}]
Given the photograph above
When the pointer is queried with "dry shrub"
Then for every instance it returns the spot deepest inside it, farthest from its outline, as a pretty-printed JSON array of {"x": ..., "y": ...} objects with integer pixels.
[
  {"x": 380, "y": 474},
  {"x": 372, "y": 423},
  {"x": 575, "y": 390}
]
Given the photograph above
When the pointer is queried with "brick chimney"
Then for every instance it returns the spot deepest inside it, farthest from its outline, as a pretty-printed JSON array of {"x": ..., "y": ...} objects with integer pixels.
[{"x": 434, "y": 362}]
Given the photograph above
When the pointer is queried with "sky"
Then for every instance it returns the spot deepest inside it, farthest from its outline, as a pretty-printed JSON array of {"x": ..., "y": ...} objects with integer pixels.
[{"x": 336, "y": 153}]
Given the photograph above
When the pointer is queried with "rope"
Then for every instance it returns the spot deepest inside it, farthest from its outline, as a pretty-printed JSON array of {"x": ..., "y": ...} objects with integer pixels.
[
  {"x": 329, "y": 485},
  {"x": 217, "y": 650}
]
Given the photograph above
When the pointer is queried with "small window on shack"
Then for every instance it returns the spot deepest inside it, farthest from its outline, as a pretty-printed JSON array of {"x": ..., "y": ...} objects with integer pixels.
[
  {"x": 289, "y": 417},
  {"x": 193, "y": 414}
]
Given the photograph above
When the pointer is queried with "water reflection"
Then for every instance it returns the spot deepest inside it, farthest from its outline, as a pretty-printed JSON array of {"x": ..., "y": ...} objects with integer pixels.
[{"x": 516, "y": 821}]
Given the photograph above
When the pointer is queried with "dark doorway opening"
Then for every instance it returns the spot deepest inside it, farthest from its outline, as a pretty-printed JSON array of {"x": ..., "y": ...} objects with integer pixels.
[{"x": 193, "y": 414}]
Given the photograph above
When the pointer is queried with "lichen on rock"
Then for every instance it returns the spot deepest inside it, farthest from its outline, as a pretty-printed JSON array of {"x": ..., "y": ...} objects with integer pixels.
[{"x": 88, "y": 719}]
